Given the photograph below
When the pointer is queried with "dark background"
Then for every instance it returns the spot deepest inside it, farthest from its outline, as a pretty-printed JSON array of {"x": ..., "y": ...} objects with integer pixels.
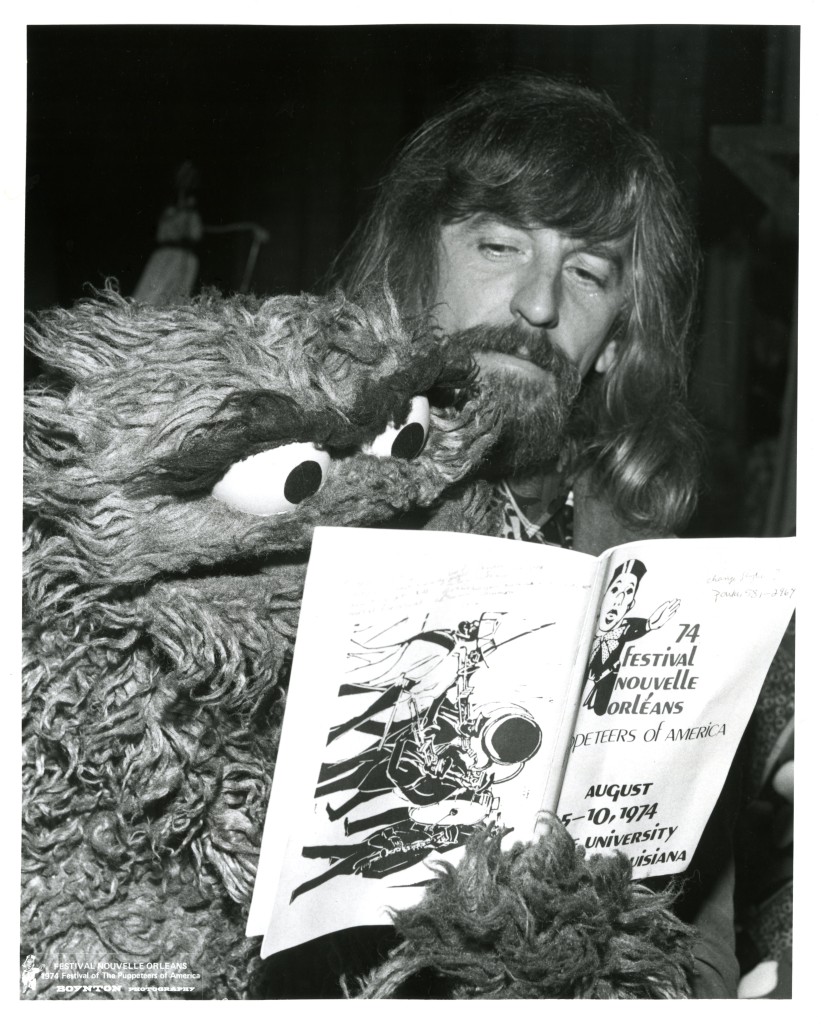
[{"x": 291, "y": 128}]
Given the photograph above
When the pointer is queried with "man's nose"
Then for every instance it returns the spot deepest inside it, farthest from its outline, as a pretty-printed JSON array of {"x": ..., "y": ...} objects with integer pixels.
[{"x": 537, "y": 295}]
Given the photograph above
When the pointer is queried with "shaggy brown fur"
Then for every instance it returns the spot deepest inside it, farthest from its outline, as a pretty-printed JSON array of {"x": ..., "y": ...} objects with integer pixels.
[
  {"x": 159, "y": 622},
  {"x": 538, "y": 922}
]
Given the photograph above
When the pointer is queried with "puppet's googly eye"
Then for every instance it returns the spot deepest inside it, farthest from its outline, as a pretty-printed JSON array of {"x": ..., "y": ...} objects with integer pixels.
[
  {"x": 274, "y": 481},
  {"x": 406, "y": 440}
]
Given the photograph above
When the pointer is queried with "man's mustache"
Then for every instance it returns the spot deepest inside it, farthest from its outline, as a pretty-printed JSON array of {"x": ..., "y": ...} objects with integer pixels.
[{"x": 515, "y": 340}]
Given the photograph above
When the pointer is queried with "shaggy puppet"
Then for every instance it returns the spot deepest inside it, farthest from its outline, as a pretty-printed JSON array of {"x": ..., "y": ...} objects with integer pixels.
[{"x": 177, "y": 461}]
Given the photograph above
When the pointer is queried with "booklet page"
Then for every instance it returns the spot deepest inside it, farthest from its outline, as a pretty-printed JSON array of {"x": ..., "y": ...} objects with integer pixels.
[
  {"x": 684, "y": 635},
  {"x": 427, "y": 699}
]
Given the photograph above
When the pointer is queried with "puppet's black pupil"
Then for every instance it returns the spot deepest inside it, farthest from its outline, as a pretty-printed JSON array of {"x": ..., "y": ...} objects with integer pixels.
[
  {"x": 516, "y": 739},
  {"x": 409, "y": 441},
  {"x": 303, "y": 481}
]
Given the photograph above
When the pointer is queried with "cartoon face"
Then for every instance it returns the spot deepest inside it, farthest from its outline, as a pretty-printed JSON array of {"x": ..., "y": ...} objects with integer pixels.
[
  {"x": 619, "y": 598},
  {"x": 219, "y": 433}
]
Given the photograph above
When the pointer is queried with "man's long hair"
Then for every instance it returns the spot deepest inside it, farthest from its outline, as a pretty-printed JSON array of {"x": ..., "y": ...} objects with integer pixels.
[{"x": 535, "y": 151}]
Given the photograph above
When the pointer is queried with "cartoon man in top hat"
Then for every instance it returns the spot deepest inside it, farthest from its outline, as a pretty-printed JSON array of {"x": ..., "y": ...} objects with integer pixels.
[{"x": 615, "y": 631}]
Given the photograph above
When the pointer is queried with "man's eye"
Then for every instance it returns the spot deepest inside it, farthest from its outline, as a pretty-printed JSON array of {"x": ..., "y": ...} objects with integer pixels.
[
  {"x": 593, "y": 272},
  {"x": 589, "y": 277},
  {"x": 497, "y": 250},
  {"x": 274, "y": 481},
  {"x": 407, "y": 439}
]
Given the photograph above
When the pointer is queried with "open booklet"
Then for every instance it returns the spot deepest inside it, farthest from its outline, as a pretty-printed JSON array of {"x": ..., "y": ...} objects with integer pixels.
[{"x": 444, "y": 683}]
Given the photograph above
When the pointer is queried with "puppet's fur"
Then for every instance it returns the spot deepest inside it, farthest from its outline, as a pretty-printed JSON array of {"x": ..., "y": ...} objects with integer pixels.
[
  {"x": 159, "y": 622},
  {"x": 538, "y": 921}
]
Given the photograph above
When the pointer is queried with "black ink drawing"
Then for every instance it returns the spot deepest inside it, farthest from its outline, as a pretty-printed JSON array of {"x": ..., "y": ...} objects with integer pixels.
[
  {"x": 435, "y": 758},
  {"x": 614, "y": 631}
]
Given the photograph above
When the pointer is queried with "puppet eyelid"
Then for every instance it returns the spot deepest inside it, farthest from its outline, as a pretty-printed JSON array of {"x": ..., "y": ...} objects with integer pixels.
[
  {"x": 407, "y": 439},
  {"x": 275, "y": 480}
]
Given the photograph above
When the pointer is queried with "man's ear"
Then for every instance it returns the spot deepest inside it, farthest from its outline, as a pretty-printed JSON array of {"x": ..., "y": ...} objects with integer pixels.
[{"x": 607, "y": 357}]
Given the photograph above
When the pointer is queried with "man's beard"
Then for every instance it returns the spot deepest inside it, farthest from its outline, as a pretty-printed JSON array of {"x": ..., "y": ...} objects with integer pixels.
[{"x": 535, "y": 411}]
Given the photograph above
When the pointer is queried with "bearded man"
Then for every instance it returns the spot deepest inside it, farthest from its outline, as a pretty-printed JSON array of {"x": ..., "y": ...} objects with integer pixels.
[{"x": 532, "y": 220}]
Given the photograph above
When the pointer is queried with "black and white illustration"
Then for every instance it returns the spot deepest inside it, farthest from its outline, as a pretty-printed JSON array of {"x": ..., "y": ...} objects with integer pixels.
[
  {"x": 616, "y": 628},
  {"x": 418, "y": 755}
]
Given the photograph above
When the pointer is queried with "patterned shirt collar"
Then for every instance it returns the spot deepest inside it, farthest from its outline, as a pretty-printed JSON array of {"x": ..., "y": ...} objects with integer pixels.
[{"x": 553, "y": 525}]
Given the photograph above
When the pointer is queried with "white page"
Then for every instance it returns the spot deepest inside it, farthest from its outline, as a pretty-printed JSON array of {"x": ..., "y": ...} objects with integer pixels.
[
  {"x": 648, "y": 763},
  {"x": 367, "y": 594}
]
